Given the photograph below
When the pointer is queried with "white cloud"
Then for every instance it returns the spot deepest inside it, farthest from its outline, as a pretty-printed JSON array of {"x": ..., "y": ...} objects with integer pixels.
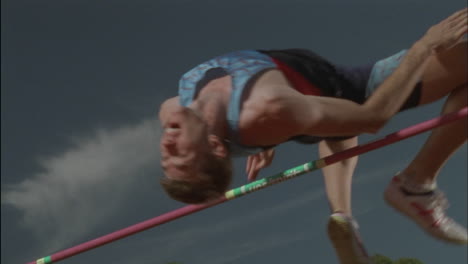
[{"x": 81, "y": 187}]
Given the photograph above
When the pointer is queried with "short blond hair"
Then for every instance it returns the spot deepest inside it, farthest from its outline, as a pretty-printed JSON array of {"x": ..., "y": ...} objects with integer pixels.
[{"x": 211, "y": 181}]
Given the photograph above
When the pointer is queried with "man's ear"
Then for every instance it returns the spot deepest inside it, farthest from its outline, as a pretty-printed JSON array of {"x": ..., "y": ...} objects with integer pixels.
[{"x": 217, "y": 146}]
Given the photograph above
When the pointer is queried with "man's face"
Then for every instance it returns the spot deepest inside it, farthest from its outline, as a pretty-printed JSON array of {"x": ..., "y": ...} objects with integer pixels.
[{"x": 184, "y": 137}]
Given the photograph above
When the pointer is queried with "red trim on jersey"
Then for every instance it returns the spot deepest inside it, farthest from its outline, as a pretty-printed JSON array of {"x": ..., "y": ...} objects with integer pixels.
[{"x": 299, "y": 82}]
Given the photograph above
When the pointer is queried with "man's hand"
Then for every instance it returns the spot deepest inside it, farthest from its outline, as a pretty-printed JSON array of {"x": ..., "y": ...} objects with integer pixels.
[
  {"x": 257, "y": 162},
  {"x": 448, "y": 32}
]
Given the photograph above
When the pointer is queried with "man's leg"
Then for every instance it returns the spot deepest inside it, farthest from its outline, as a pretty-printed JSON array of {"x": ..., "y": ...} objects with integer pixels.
[
  {"x": 338, "y": 176},
  {"x": 413, "y": 192},
  {"x": 446, "y": 74},
  {"x": 441, "y": 144},
  {"x": 342, "y": 228}
]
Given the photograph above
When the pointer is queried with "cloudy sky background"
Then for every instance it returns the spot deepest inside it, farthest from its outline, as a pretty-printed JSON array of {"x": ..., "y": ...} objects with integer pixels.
[{"x": 81, "y": 85}]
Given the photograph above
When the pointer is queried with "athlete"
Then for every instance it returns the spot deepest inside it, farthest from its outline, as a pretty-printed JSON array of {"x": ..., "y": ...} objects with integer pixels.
[{"x": 247, "y": 102}]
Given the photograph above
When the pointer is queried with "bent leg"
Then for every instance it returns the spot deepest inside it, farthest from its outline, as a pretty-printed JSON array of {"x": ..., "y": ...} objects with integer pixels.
[
  {"x": 413, "y": 192},
  {"x": 445, "y": 74},
  {"x": 342, "y": 229},
  {"x": 441, "y": 144}
]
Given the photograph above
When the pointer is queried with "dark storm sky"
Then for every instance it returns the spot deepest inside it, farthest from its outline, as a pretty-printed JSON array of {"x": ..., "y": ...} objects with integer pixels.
[{"x": 81, "y": 85}]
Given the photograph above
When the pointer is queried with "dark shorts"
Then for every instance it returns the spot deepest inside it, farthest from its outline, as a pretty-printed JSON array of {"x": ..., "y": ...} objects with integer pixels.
[{"x": 355, "y": 83}]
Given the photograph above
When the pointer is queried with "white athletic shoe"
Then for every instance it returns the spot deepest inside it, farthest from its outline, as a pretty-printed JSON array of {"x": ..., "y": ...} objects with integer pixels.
[
  {"x": 428, "y": 211},
  {"x": 344, "y": 235}
]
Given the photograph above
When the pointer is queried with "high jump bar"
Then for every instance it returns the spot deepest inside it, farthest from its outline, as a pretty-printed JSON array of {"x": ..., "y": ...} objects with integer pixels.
[{"x": 257, "y": 185}]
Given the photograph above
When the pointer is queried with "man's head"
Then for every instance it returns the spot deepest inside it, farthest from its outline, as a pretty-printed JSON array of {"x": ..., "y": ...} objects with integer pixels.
[
  {"x": 210, "y": 180},
  {"x": 196, "y": 164}
]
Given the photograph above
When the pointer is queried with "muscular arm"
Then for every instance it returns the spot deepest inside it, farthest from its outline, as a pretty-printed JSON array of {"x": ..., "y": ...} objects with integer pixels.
[
  {"x": 335, "y": 117},
  {"x": 348, "y": 118},
  {"x": 395, "y": 90},
  {"x": 286, "y": 113}
]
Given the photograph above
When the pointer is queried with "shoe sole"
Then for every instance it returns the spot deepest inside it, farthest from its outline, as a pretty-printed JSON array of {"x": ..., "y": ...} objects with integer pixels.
[{"x": 340, "y": 233}]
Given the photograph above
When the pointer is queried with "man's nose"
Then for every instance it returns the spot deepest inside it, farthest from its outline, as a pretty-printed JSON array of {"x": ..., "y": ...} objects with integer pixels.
[
  {"x": 168, "y": 141},
  {"x": 169, "y": 144}
]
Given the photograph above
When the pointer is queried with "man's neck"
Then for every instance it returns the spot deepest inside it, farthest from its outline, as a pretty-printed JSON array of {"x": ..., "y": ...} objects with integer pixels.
[{"x": 212, "y": 103}]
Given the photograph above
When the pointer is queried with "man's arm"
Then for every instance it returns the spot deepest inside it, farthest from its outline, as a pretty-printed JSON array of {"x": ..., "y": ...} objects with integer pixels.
[
  {"x": 324, "y": 116},
  {"x": 351, "y": 118},
  {"x": 327, "y": 116}
]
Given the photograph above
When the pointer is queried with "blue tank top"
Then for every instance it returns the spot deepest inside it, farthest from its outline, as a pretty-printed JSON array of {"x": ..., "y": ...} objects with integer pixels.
[{"x": 241, "y": 66}]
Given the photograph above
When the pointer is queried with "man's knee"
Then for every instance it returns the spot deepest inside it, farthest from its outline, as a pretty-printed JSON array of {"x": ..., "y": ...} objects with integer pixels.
[{"x": 455, "y": 61}]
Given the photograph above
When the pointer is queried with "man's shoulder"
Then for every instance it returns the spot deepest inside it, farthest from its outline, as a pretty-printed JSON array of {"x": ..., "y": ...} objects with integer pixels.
[{"x": 266, "y": 117}]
